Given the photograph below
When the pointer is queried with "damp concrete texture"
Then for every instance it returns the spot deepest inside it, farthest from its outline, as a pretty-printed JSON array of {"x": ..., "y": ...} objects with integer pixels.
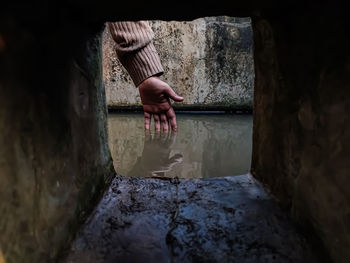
[
  {"x": 205, "y": 145},
  {"x": 227, "y": 219},
  {"x": 209, "y": 61}
]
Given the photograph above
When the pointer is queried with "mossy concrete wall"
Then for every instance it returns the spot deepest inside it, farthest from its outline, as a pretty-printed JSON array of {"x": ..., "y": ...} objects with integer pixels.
[{"x": 208, "y": 61}]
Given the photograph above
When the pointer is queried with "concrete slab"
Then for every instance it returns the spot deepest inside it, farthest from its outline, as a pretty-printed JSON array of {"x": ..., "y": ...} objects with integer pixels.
[{"x": 229, "y": 219}]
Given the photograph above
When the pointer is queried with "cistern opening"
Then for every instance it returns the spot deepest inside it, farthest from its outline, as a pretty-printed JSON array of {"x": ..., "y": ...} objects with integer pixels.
[{"x": 208, "y": 61}]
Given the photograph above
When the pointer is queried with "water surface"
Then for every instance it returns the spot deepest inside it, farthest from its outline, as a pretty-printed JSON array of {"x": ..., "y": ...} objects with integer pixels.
[{"x": 210, "y": 145}]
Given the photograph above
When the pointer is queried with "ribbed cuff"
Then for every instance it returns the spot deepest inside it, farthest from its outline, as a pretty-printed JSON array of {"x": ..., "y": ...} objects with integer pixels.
[{"x": 142, "y": 64}]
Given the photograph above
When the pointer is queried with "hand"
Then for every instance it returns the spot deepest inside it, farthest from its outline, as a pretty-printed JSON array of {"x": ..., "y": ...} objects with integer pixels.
[{"x": 155, "y": 95}]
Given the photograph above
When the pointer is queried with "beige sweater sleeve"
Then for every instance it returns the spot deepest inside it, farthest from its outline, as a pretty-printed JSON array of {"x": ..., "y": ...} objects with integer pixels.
[{"x": 135, "y": 49}]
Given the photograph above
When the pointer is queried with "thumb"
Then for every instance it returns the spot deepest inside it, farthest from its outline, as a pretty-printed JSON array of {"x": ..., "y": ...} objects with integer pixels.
[{"x": 171, "y": 93}]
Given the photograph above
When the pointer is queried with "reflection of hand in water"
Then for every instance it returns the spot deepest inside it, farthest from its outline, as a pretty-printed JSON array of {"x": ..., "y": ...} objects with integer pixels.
[{"x": 155, "y": 159}]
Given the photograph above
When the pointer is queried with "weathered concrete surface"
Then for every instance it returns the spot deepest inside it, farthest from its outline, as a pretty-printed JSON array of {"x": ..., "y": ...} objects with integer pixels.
[
  {"x": 208, "y": 61},
  {"x": 301, "y": 143},
  {"x": 228, "y": 219},
  {"x": 54, "y": 157}
]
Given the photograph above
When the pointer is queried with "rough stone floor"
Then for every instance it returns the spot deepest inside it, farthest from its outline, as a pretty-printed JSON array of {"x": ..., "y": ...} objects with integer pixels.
[{"x": 229, "y": 219}]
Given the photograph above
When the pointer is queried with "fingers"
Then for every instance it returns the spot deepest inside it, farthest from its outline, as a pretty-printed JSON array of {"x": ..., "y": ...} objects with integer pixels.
[
  {"x": 172, "y": 119},
  {"x": 161, "y": 121},
  {"x": 147, "y": 120},
  {"x": 156, "y": 122},
  {"x": 171, "y": 93},
  {"x": 164, "y": 122}
]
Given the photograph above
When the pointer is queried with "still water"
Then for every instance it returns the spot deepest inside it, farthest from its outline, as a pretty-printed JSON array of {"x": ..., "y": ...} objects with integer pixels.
[{"x": 210, "y": 145}]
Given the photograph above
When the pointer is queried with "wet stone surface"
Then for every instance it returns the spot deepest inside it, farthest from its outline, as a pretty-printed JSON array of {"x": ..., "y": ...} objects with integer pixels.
[{"x": 227, "y": 219}]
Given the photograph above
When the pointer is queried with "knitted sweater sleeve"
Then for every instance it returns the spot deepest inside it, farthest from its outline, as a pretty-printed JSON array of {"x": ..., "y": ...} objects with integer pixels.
[{"x": 135, "y": 49}]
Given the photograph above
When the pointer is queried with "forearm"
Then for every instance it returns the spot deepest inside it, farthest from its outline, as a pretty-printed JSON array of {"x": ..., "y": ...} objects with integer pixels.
[{"x": 135, "y": 49}]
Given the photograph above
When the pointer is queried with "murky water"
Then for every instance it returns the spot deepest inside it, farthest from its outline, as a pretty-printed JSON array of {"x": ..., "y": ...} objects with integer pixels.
[{"x": 205, "y": 146}]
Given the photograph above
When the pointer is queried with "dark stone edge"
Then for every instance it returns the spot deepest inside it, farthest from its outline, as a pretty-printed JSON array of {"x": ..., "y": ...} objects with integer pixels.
[{"x": 187, "y": 109}]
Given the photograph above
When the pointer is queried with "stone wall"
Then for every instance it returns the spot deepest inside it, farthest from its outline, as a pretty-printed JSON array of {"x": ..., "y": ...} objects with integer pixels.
[
  {"x": 208, "y": 61},
  {"x": 301, "y": 142},
  {"x": 54, "y": 157}
]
